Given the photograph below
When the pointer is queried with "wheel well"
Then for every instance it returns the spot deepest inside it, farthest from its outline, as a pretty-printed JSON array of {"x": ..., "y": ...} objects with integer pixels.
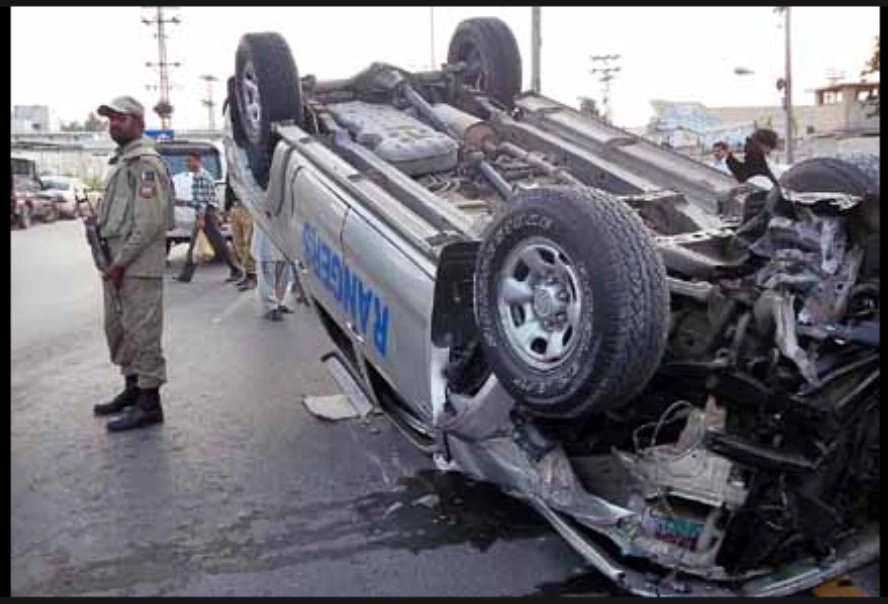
[
  {"x": 397, "y": 409},
  {"x": 337, "y": 334}
]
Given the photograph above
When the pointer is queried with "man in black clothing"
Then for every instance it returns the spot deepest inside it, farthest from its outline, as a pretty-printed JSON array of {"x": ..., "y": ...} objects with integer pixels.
[
  {"x": 758, "y": 146},
  {"x": 203, "y": 198}
]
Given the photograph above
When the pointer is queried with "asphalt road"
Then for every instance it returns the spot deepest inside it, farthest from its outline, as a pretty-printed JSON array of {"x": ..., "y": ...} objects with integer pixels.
[{"x": 241, "y": 492}]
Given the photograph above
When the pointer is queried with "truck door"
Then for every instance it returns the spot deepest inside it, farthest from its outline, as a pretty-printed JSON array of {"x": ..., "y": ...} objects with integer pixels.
[
  {"x": 388, "y": 294},
  {"x": 306, "y": 220}
]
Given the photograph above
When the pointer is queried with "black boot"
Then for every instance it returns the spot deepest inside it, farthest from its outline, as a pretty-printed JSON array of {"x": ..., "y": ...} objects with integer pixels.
[
  {"x": 236, "y": 275},
  {"x": 128, "y": 397},
  {"x": 187, "y": 271},
  {"x": 146, "y": 412},
  {"x": 248, "y": 283}
]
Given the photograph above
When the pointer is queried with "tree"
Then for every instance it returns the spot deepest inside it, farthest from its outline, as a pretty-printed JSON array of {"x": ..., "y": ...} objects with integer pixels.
[
  {"x": 589, "y": 107},
  {"x": 872, "y": 66},
  {"x": 93, "y": 123}
]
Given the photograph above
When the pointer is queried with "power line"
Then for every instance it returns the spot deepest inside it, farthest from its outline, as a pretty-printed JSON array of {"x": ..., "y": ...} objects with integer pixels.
[
  {"x": 607, "y": 72},
  {"x": 164, "y": 107}
]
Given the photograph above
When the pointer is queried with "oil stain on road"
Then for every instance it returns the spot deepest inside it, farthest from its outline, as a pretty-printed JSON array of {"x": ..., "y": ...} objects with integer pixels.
[{"x": 428, "y": 510}]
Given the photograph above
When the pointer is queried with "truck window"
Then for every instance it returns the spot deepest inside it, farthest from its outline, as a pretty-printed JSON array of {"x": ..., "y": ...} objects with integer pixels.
[{"x": 175, "y": 160}]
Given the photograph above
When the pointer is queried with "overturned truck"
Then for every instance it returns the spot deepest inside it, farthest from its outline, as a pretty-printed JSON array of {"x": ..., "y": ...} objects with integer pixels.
[{"x": 679, "y": 372}]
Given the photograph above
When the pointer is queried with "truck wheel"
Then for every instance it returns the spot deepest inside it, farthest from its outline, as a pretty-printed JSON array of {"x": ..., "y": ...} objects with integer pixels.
[
  {"x": 571, "y": 301},
  {"x": 52, "y": 213},
  {"x": 854, "y": 173},
  {"x": 268, "y": 90},
  {"x": 489, "y": 48},
  {"x": 237, "y": 126}
]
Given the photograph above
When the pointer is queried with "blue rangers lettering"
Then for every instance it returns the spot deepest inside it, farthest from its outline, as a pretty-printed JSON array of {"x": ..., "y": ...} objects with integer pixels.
[{"x": 357, "y": 299}]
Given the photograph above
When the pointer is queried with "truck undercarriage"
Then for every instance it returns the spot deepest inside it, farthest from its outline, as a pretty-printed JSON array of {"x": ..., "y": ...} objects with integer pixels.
[{"x": 679, "y": 372}]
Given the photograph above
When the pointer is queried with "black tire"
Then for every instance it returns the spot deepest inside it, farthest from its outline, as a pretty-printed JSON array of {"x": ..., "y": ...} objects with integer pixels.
[
  {"x": 52, "y": 213},
  {"x": 491, "y": 41},
  {"x": 622, "y": 332},
  {"x": 237, "y": 127},
  {"x": 277, "y": 94},
  {"x": 854, "y": 173}
]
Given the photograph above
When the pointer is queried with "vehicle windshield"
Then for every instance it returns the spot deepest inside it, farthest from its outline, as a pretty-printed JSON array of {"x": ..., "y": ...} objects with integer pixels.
[
  {"x": 176, "y": 161},
  {"x": 56, "y": 184}
]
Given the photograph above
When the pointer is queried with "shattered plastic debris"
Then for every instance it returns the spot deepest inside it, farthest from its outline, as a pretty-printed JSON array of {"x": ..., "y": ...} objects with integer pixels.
[
  {"x": 332, "y": 408},
  {"x": 392, "y": 509},
  {"x": 431, "y": 500}
]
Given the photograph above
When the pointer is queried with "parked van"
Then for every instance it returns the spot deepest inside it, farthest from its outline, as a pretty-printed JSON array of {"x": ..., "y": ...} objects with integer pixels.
[{"x": 175, "y": 153}]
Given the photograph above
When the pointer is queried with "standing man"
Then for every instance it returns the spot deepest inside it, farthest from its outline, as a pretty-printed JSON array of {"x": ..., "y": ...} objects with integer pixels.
[
  {"x": 134, "y": 215},
  {"x": 720, "y": 152},
  {"x": 277, "y": 278},
  {"x": 756, "y": 151},
  {"x": 242, "y": 234},
  {"x": 203, "y": 199}
]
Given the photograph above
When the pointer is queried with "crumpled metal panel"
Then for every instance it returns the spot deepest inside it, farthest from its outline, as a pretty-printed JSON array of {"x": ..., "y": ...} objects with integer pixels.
[{"x": 551, "y": 480}]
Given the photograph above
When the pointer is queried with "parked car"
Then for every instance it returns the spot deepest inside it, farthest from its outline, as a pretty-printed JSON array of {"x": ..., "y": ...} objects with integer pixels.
[
  {"x": 26, "y": 203},
  {"x": 680, "y": 373},
  {"x": 174, "y": 153},
  {"x": 64, "y": 192}
]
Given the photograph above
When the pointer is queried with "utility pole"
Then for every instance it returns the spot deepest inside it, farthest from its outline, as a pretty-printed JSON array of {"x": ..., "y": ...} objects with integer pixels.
[
  {"x": 535, "y": 44},
  {"x": 163, "y": 108},
  {"x": 607, "y": 75},
  {"x": 208, "y": 102},
  {"x": 788, "y": 95}
]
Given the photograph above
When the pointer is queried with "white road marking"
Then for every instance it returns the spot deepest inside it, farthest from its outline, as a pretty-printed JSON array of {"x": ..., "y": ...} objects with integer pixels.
[{"x": 232, "y": 307}]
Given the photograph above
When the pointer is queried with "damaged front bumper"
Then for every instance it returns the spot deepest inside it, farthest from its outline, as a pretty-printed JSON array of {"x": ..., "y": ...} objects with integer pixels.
[
  {"x": 606, "y": 534},
  {"x": 854, "y": 553}
]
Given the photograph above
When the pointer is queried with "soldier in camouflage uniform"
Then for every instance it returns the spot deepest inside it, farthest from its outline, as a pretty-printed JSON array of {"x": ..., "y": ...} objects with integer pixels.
[{"x": 134, "y": 215}]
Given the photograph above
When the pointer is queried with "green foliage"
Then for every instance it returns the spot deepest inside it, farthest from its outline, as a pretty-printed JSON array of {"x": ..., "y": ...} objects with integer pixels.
[
  {"x": 93, "y": 182},
  {"x": 872, "y": 66},
  {"x": 93, "y": 123}
]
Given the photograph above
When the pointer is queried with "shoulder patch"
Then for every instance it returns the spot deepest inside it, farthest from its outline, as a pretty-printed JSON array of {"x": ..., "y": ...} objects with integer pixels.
[{"x": 148, "y": 183}]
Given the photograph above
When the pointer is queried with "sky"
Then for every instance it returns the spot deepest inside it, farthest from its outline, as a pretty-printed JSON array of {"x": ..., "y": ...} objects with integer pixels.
[{"x": 668, "y": 53}]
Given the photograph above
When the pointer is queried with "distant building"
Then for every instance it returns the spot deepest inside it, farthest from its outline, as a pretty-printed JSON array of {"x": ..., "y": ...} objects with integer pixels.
[
  {"x": 27, "y": 119},
  {"x": 840, "y": 110}
]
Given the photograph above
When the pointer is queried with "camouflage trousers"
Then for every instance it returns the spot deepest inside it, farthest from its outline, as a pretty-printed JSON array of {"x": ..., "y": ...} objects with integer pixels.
[
  {"x": 134, "y": 334},
  {"x": 241, "y": 234}
]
